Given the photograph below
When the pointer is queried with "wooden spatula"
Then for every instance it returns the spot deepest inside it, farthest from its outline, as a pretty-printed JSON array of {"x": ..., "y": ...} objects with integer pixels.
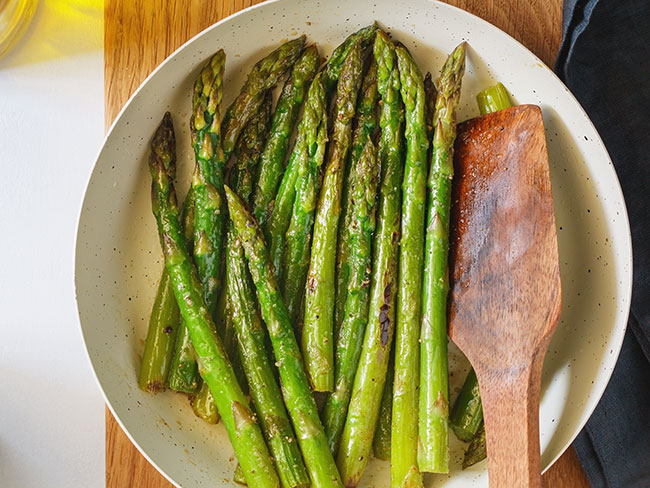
[{"x": 505, "y": 297}]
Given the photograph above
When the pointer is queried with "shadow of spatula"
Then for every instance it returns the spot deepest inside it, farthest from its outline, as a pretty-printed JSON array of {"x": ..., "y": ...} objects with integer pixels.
[{"x": 505, "y": 297}]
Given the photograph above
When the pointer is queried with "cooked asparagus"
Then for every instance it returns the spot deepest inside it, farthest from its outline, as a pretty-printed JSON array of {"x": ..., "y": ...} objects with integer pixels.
[
  {"x": 216, "y": 370},
  {"x": 271, "y": 164},
  {"x": 404, "y": 429},
  {"x": 313, "y": 134},
  {"x": 366, "y": 124},
  {"x": 164, "y": 323},
  {"x": 433, "y": 449},
  {"x": 318, "y": 330},
  {"x": 295, "y": 386},
  {"x": 381, "y": 441},
  {"x": 247, "y": 323},
  {"x": 334, "y": 65},
  {"x": 266, "y": 73},
  {"x": 369, "y": 380},
  {"x": 207, "y": 185},
  {"x": 467, "y": 414},
  {"x": 364, "y": 179},
  {"x": 477, "y": 450}
]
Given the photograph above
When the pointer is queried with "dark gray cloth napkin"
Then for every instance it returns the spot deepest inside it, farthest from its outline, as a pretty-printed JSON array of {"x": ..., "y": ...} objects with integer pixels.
[{"x": 605, "y": 61}]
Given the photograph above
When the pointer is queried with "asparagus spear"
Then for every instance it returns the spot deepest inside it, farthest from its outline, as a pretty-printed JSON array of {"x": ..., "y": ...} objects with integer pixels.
[
  {"x": 334, "y": 65},
  {"x": 207, "y": 184},
  {"x": 280, "y": 218},
  {"x": 467, "y": 413},
  {"x": 161, "y": 337},
  {"x": 404, "y": 428},
  {"x": 204, "y": 406},
  {"x": 369, "y": 381},
  {"x": 318, "y": 330},
  {"x": 164, "y": 323},
  {"x": 271, "y": 164},
  {"x": 266, "y": 73},
  {"x": 243, "y": 431},
  {"x": 433, "y": 448},
  {"x": 249, "y": 147},
  {"x": 247, "y": 150},
  {"x": 430, "y": 94},
  {"x": 381, "y": 441},
  {"x": 363, "y": 180},
  {"x": 295, "y": 386},
  {"x": 265, "y": 392},
  {"x": 278, "y": 222},
  {"x": 264, "y": 389},
  {"x": 183, "y": 370},
  {"x": 477, "y": 450},
  {"x": 238, "y": 477},
  {"x": 493, "y": 99},
  {"x": 298, "y": 237},
  {"x": 250, "y": 335},
  {"x": 366, "y": 123}
]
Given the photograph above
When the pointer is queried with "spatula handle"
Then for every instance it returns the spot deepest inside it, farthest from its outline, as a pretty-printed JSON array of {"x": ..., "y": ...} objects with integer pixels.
[{"x": 511, "y": 412}]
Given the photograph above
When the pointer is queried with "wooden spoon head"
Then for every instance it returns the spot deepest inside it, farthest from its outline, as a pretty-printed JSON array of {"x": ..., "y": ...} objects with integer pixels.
[{"x": 505, "y": 297}]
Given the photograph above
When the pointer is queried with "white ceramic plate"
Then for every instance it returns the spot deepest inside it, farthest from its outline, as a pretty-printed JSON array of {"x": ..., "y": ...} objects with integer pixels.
[{"x": 118, "y": 258}]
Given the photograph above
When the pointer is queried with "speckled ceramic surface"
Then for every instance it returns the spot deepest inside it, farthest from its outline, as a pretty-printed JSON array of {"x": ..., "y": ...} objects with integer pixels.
[{"x": 118, "y": 258}]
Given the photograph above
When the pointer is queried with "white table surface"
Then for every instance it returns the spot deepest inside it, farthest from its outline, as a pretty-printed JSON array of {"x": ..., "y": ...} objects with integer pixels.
[{"x": 51, "y": 128}]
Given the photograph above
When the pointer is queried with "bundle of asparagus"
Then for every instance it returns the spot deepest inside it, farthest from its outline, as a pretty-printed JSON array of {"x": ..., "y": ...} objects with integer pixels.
[{"x": 321, "y": 247}]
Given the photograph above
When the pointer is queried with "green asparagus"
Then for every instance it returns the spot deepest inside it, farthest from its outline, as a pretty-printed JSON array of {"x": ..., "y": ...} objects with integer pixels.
[
  {"x": 204, "y": 406},
  {"x": 332, "y": 69},
  {"x": 467, "y": 413},
  {"x": 368, "y": 385},
  {"x": 363, "y": 182},
  {"x": 161, "y": 337},
  {"x": 295, "y": 386},
  {"x": 265, "y": 392},
  {"x": 477, "y": 450},
  {"x": 433, "y": 448},
  {"x": 280, "y": 219},
  {"x": 250, "y": 334},
  {"x": 266, "y": 73},
  {"x": 249, "y": 147},
  {"x": 318, "y": 330},
  {"x": 381, "y": 441},
  {"x": 271, "y": 164},
  {"x": 183, "y": 370},
  {"x": 216, "y": 370},
  {"x": 277, "y": 223},
  {"x": 298, "y": 236},
  {"x": 430, "y": 94},
  {"x": 248, "y": 151},
  {"x": 404, "y": 428},
  {"x": 238, "y": 477},
  {"x": 164, "y": 323},
  {"x": 366, "y": 123},
  {"x": 207, "y": 184},
  {"x": 493, "y": 99}
]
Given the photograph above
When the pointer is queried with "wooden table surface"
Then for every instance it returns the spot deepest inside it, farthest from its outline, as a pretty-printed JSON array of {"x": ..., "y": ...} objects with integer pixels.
[{"x": 140, "y": 34}]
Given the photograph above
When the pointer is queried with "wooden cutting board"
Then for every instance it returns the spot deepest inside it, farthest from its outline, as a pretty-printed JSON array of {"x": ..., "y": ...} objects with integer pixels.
[{"x": 140, "y": 34}]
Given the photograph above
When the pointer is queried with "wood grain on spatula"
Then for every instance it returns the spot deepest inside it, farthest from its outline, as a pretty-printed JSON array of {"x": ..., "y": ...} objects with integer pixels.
[{"x": 505, "y": 298}]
